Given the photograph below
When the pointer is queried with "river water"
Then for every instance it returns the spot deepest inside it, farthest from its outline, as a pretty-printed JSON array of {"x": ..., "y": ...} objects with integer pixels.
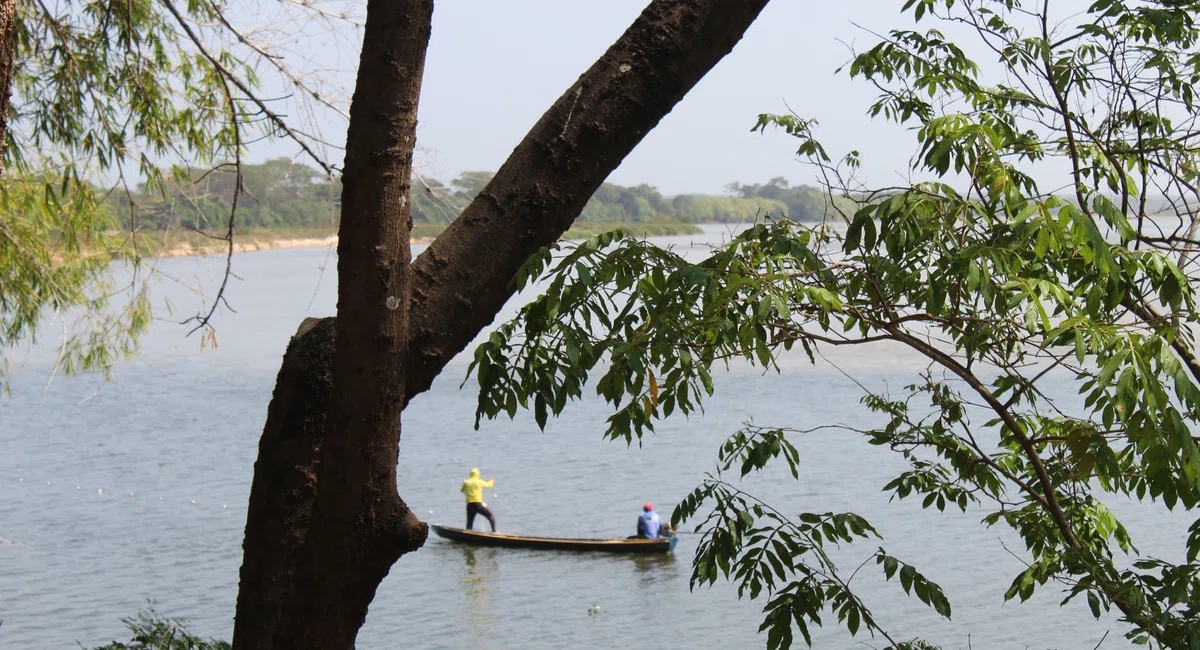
[{"x": 136, "y": 489}]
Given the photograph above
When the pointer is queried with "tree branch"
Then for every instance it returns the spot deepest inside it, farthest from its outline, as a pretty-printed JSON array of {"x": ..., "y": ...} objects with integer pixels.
[{"x": 552, "y": 173}]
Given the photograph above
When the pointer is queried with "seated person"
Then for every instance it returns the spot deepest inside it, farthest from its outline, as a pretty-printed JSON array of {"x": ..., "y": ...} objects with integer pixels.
[{"x": 649, "y": 526}]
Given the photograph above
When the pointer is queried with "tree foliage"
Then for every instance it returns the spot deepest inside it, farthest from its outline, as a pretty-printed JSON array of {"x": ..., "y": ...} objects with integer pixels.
[
  {"x": 285, "y": 193},
  {"x": 643, "y": 203},
  {"x": 150, "y": 630},
  {"x": 1011, "y": 292},
  {"x": 105, "y": 91},
  {"x": 278, "y": 193}
]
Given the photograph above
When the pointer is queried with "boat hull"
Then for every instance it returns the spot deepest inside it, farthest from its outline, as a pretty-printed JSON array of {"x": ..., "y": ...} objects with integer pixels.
[{"x": 480, "y": 538}]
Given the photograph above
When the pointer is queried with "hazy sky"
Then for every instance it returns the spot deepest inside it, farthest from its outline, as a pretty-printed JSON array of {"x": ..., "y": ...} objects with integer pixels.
[{"x": 495, "y": 66}]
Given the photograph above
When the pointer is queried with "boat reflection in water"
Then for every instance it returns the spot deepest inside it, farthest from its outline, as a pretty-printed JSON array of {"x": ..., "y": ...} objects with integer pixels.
[{"x": 480, "y": 565}]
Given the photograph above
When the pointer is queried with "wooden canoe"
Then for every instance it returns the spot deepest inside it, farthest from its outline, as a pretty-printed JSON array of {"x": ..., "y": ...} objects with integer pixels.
[{"x": 480, "y": 538}]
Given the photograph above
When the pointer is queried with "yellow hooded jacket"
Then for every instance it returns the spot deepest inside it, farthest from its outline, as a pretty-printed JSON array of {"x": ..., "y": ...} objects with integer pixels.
[{"x": 472, "y": 488}]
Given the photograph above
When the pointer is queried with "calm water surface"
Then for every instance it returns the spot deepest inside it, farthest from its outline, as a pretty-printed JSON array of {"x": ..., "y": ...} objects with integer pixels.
[{"x": 136, "y": 490}]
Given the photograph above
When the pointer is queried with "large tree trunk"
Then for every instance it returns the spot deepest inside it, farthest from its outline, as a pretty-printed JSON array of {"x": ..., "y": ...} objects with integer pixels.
[
  {"x": 359, "y": 525},
  {"x": 325, "y": 523},
  {"x": 328, "y": 523}
]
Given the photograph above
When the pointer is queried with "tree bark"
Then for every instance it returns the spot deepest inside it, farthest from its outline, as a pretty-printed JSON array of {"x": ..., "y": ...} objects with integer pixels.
[
  {"x": 285, "y": 482},
  {"x": 325, "y": 523},
  {"x": 8, "y": 28},
  {"x": 545, "y": 183}
]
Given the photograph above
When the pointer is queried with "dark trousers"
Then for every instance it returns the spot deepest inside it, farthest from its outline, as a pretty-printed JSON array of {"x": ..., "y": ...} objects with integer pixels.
[{"x": 479, "y": 509}]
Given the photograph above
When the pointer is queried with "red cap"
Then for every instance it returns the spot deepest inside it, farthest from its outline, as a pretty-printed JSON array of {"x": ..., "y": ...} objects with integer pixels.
[{"x": 647, "y": 507}]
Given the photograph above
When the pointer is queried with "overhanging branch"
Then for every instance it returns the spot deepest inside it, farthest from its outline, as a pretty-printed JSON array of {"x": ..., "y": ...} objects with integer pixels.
[{"x": 542, "y": 187}]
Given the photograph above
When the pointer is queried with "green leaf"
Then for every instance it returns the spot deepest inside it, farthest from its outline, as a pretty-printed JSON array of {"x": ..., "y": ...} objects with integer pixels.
[
  {"x": 539, "y": 410},
  {"x": 907, "y": 573}
]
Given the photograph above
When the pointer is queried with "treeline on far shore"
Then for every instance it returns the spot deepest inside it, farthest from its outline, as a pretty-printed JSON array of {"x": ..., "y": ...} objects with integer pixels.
[{"x": 285, "y": 195}]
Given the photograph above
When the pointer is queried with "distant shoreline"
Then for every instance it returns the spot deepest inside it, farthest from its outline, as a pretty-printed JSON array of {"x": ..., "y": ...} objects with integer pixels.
[
  {"x": 260, "y": 244},
  {"x": 194, "y": 244}
]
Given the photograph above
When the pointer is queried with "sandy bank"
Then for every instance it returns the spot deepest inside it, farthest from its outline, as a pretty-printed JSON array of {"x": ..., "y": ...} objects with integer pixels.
[{"x": 186, "y": 249}]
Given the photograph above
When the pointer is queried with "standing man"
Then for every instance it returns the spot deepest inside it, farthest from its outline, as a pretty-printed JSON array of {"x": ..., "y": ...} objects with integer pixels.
[
  {"x": 472, "y": 488},
  {"x": 649, "y": 525}
]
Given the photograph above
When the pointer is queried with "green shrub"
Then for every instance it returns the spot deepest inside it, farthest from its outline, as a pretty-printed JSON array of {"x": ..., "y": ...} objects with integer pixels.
[{"x": 152, "y": 631}]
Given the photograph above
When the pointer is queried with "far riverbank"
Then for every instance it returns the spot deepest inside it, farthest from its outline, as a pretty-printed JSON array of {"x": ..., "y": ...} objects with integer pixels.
[{"x": 182, "y": 243}]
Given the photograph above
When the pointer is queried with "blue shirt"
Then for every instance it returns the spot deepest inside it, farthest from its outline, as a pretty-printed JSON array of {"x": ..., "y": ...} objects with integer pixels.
[{"x": 649, "y": 525}]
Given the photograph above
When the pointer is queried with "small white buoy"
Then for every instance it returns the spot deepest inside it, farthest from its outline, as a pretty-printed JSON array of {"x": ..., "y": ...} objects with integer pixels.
[
  {"x": 224, "y": 506},
  {"x": 47, "y": 482},
  {"x": 131, "y": 494},
  {"x": 99, "y": 490},
  {"x": 193, "y": 502},
  {"x": 76, "y": 487},
  {"x": 160, "y": 498},
  {"x": 22, "y": 479}
]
